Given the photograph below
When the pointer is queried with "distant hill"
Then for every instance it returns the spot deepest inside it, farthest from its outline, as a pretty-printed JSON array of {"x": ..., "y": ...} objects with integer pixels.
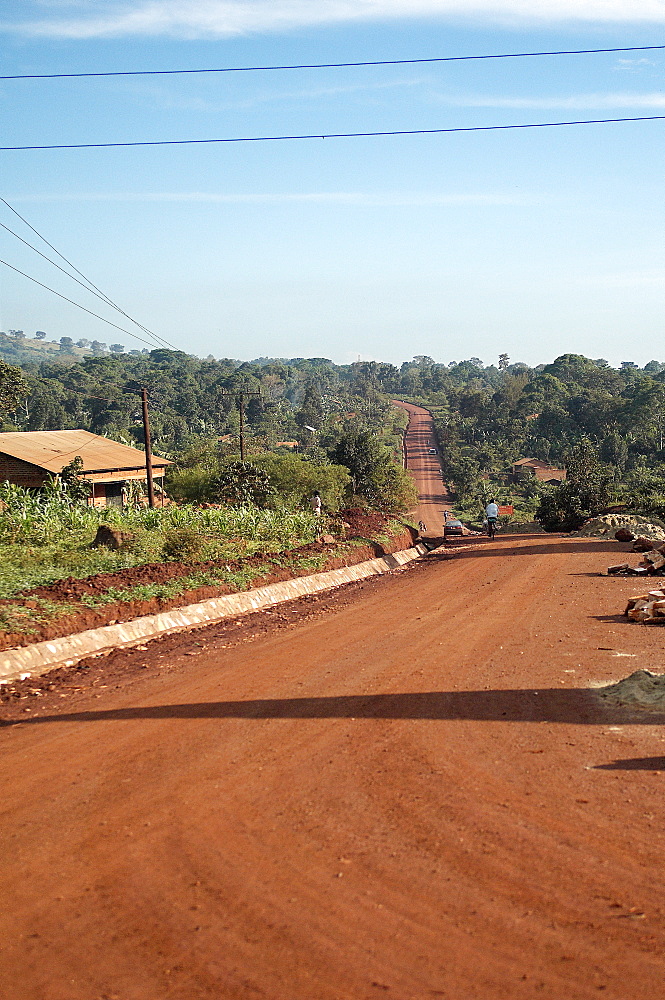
[{"x": 23, "y": 350}]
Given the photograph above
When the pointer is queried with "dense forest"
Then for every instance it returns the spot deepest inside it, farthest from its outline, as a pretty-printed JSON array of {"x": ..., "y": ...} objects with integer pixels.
[
  {"x": 333, "y": 417},
  {"x": 604, "y": 425},
  {"x": 575, "y": 412}
]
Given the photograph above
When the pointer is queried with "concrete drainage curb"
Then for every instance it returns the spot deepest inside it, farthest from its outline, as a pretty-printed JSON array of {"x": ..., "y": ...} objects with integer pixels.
[{"x": 40, "y": 657}]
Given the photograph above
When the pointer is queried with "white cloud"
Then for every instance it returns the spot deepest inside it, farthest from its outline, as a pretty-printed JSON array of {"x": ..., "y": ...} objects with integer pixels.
[
  {"x": 356, "y": 199},
  {"x": 576, "y": 102},
  {"x": 228, "y": 18}
]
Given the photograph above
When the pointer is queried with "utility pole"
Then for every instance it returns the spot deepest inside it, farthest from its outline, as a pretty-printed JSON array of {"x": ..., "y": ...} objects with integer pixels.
[
  {"x": 148, "y": 448},
  {"x": 240, "y": 397},
  {"x": 242, "y": 428}
]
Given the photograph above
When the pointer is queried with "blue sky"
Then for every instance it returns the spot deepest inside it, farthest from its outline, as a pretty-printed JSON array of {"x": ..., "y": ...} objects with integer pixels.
[{"x": 529, "y": 242}]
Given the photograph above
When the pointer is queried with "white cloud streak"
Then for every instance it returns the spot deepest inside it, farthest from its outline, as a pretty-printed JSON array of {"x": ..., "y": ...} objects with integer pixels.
[{"x": 228, "y": 18}]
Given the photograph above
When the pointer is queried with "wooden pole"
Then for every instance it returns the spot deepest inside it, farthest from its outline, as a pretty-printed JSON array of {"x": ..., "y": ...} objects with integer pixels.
[
  {"x": 148, "y": 451},
  {"x": 242, "y": 426},
  {"x": 240, "y": 399}
]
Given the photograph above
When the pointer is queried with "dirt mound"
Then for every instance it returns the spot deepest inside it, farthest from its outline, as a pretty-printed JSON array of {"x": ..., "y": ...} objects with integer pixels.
[
  {"x": 641, "y": 689},
  {"x": 607, "y": 524},
  {"x": 363, "y": 523},
  {"x": 524, "y": 528}
]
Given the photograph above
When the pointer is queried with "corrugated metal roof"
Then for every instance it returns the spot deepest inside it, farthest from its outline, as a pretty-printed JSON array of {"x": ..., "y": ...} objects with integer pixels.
[
  {"x": 535, "y": 462},
  {"x": 51, "y": 450}
]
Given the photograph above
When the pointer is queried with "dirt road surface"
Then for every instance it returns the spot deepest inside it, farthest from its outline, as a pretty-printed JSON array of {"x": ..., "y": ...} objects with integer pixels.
[
  {"x": 433, "y": 496},
  {"x": 405, "y": 789}
]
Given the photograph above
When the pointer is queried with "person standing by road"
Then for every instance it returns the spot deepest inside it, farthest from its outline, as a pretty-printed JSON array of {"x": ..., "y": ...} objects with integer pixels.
[{"x": 315, "y": 504}]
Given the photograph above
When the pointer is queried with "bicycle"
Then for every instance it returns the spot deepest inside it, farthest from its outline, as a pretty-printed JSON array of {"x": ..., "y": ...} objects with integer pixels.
[{"x": 491, "y": 526}]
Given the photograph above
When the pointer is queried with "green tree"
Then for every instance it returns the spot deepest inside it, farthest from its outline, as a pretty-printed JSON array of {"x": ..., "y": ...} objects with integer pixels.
[
  {"x": 374, "y": 475},
  {"x": 241, "y": 483},
  {"x": 614, "y": 449},
  {"x": 361, "y": 453},
  {"x": 585, "y": 492},
  {"x": 77, "y": 488},
  {"x": 294, "y": 479},
  {"x": 13, "y": 387},
  {"x": 310, "y": 413}
]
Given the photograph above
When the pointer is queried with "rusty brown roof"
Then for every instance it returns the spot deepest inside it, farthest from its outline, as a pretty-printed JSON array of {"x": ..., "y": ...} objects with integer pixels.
[
  {"x": 535, "y": 462},
  {"x": 51, "y": 450}
]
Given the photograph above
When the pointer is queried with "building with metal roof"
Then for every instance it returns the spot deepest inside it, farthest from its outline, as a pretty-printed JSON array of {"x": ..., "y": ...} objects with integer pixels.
[
  {"x": 28, "y": 458},
  {"x": 540, "y": 470}
]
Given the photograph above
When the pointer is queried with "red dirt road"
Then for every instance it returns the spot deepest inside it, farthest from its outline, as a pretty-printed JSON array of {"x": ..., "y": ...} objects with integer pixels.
[
  {"x": 406, "y": 789},
  {"x": 433, "y": 495}
]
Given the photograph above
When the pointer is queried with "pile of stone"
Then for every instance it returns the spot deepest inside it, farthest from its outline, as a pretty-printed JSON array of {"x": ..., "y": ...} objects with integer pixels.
[
  {"x": 651, "y": 564},
  {"x": 630, "y": 524},
  {"x": 647, "y": 607},
  {"x": 524, "y": 528}
]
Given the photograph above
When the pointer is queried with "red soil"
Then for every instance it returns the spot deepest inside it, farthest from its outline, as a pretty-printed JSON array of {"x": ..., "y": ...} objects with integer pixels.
[{"x": 407, "y": 788}]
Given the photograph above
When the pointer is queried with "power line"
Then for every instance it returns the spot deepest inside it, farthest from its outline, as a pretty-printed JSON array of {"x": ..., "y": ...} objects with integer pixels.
[
  {"x": 332, "y": 135},
  {"x": 89, "y": 285},
  {"x": 337, "y": 65},
  {"x": 77, "y": 304},
  {"x": 77, "y": 392},
  {"x": 87, "y": 288}
]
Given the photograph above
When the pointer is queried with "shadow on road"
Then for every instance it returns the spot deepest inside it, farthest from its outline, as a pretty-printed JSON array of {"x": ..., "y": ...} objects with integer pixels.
[
  {"x": 634, "y": 764},
  {"x": 577, "y": 706},
  {"x": 502, "y": 547},
  {"x": 612, "y": 619}
]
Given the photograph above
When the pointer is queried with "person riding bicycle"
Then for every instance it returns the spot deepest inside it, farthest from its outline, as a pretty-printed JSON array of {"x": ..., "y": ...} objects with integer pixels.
[{"x": 492, "y": 515}]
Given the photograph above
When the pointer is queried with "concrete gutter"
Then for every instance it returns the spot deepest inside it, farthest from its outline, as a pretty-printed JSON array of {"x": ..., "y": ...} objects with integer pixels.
[{"x": 40, "y": 657}]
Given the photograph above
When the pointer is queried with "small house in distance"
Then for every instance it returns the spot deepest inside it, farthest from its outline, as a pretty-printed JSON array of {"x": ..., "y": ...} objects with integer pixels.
[
  {"x": 534, "y": 467},
  {"x": 28, "y": 458}
]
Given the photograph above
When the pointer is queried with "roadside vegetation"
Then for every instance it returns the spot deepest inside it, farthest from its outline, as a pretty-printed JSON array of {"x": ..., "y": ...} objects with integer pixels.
[
  {"x": 44, "y": 536},
  {"x": 51, "y": 577},
  {"x": 227, "y": 522},
  {"x": 311, "y": 426}
]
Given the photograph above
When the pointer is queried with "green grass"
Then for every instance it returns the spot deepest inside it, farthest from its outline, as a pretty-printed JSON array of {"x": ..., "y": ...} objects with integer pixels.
[
  {"x": 25, "y": 567},
  {"x": 22, "y": 619}
]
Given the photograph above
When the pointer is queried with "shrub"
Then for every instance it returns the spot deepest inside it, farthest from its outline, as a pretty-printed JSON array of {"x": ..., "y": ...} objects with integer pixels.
[
  {"x": 295, "y": 479},
  {"x": 239, "y": 483},
  {"x": 183, "y": 545}
]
